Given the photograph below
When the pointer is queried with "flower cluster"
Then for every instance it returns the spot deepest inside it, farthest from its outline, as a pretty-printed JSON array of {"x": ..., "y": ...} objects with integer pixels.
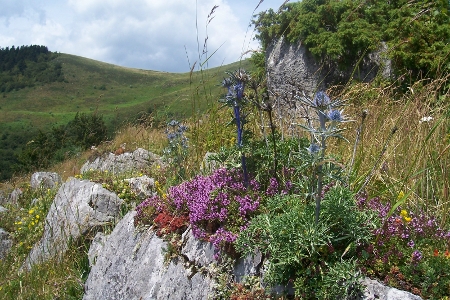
[
  {"x": 411, "y": 240},
  {"x": 328, "y": 118},
  {"x": 218, "y": 206},
  {"x": 178, "y": 142},
  {"x": 408, "y": 226},
  {"x": 148, "y": 209},
  {"x": 167, "y": 223},
  {"x": 29, "y": 226},
  {"x": 219, "y": 198}
]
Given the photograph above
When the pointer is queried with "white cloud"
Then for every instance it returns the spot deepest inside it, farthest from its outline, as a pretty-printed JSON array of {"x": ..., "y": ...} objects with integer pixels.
[{"x": 146, "y": 34}]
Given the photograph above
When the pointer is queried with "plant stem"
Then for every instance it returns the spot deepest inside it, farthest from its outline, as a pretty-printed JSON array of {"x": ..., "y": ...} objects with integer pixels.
[
  {"x": 322, "y": 121},
  {"x": 239, "y": 126},
  {"x": 275, "y": 155}
]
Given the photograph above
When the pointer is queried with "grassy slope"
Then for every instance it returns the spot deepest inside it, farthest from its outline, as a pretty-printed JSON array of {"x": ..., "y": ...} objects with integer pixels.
[
  {"x": 125, "y": 92},
  {"x": 118, "y": 93}
]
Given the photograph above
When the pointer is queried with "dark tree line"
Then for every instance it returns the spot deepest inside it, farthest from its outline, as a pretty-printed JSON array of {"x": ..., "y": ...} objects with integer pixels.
[
  {"x": 60, "y": 143},
  {"x": 27, "y": 65}
]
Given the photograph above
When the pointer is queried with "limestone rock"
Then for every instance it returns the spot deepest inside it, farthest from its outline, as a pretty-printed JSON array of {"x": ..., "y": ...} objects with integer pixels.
[
  {"x": 143, "y": 187},
  {"x": 198, "y": 252},
  {"x": 208, "y": 166},
  {"x": 96, "y": 246},
  {"x": 2, "y": 198},
  {"x": 47, "y": 180},
  {"x": 5, "y": 243},
  {"x": 14, "y": 196},
  {"x": 79, "y": 207},
  {"x": 2, "y": 209},
  {"x": 248, "y": 266},
  {"x": 376, "y": 290},
  {"x": 126, "y": 162},
  {"x": 292, "y": 67},
  {"x": 130, "y": 265}
]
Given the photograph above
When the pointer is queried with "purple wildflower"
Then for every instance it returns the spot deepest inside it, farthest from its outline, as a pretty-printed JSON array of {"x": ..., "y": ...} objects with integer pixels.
[
  {"x": 416, "y": 256},
  {"x": 272, "y": 189}
]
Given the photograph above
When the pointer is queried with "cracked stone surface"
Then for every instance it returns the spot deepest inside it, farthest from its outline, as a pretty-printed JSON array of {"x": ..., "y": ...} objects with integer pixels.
[
  {"x": 79, "y": 207},
  {"x": 5, "y": 243},
  {"x": 129, "y": 264},
  {"x": 47, "y": 180},
  {"x": 126, "y": 162},
  {"x": 292, "y": 67}
]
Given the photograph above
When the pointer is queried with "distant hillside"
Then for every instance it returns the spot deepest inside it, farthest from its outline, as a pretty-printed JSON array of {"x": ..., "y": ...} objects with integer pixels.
[
  {"x": 118, "y": 94},
  {"x": 27, "y": 66}
]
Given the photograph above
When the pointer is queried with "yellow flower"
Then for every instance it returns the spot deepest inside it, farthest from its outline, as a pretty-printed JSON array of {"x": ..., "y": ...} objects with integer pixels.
[
  {"x": 31, "y": 211},
  {"x": 401, "y": 195},
  {"x": 20, "y": 228},
  {"x": 407, "y": 219},
  {"x": 158, "y": 167},
  {"x": 404, "y": 213},
  {"x": 32, "y": 223},
  {"x": 37, "y": 217}
]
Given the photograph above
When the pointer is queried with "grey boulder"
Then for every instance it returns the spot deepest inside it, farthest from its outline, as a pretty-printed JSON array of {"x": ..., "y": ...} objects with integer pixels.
[
  {"x": 79, "y": 207},
  {"x": 129, "y": 264},
  {"x": 5, "y": 243},
  {"x": 126, "y": 162},
  {"x": 47, "y": 180}
]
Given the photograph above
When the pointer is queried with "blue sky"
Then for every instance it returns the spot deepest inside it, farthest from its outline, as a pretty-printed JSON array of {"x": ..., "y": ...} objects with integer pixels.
[{"x": 145, "y": 34}]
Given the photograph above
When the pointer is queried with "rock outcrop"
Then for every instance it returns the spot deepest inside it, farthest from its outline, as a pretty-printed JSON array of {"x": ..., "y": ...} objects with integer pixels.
[
  {"x": 143, "y": 186},
  {"x": 5, "y": 243},
  {"x": 126, "y": 162},
  {"x": 14, "y": 196},
  {"x": 46, "y": 180},
  {"x": 130, "y": 265},
  {"x": 377, "y": 291},
  {"x": 80, "y": 206},
  {"x": 292, "y": 68}
]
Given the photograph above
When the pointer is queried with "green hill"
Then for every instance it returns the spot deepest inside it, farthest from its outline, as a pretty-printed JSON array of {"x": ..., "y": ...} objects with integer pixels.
[{"x": 119, "y": 94}]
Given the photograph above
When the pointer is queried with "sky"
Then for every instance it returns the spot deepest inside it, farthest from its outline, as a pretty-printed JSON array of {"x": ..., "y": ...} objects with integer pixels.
[{"x": 161, "y": 35}]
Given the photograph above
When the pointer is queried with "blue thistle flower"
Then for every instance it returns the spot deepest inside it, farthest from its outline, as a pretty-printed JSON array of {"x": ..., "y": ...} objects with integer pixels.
[
  {"x": 313, "y": 148},
  {"x": 239, "y": 90},
  {"x": 321, "y": 100},
  {"x": 182, "y": 128},
  {"x": 173, "y": 123},
  {"x": 335, "y": 115},
  {"x": 171, "y": 136},
  {"x": 227, "y": 82}
]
